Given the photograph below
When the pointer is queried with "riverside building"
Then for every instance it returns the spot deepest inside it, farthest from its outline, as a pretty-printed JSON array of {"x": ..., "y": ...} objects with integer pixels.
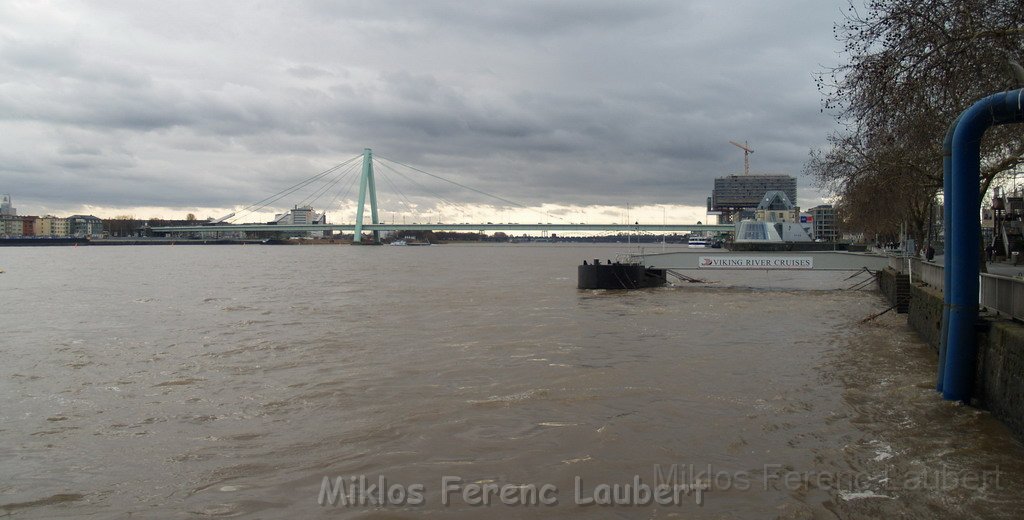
[{"x": 736, "y": 197}]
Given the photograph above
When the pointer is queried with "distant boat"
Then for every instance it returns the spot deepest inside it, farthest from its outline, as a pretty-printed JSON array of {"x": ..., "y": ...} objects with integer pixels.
[
  {"x": 407, "y": 243},
  {"x": 697, "y": 241}
]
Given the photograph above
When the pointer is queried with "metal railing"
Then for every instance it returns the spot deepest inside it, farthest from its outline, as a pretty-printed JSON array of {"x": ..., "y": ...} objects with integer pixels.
[
  {"x": 1001, "y": 294},
  {"x": 919, "y": 270},
  {"x": 927, "y": 272}
]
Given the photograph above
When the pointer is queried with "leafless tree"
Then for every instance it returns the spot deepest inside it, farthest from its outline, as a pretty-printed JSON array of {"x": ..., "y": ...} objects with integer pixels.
[{"x": 912, "y": 67}]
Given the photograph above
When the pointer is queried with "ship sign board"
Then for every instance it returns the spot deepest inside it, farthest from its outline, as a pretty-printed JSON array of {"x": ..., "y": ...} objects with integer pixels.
[{"x": 755, "y": 262}]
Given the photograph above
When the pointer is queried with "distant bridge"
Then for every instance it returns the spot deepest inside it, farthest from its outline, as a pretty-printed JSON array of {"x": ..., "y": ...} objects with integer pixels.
[
  {"x": 301, "y": 228},
  {"x": 368, "y": 190}
]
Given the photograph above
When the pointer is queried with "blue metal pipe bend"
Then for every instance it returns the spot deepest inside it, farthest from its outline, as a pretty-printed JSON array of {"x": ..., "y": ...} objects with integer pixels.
[
  {"x": 962, "y": 256},
  {"x": 947, "y": 217}
]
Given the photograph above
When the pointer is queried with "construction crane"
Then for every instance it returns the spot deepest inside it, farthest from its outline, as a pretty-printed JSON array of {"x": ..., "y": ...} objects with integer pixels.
[
  {"x": 746, "y": 155},
  {"x": 222, "y": 219}
]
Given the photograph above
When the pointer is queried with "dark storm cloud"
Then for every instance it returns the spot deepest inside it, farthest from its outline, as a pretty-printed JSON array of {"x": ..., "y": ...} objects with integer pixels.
[{"x": 586, "y": 102}]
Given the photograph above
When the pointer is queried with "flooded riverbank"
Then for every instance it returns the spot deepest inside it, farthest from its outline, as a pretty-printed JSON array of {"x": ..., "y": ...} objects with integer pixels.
[{"x": 231, "y": 381}]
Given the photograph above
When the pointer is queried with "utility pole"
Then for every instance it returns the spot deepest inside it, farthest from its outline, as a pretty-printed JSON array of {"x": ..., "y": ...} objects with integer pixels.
[{"x": 664, "y": 221}]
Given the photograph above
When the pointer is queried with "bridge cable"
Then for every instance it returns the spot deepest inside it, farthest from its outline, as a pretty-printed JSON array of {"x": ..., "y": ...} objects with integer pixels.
[
  {"x": 252, "y": 208},
  {"x": 315, "y": 196},
  {"x": 329, "y": 182},
  {"x": 327, "y": 188},
  {"x": 514, "y": 203},
  {"x": 264, "y": 202},
  {"x": 407, "y": 203},
  {"x": 461, "y": 208},
  {"x": 289, "y": 190},
  {"x": 338, "y": 194},
  {"x": 424, "y": 188}
]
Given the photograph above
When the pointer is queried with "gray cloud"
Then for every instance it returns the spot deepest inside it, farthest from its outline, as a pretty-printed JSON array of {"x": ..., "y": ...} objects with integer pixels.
[{"x": 589, "y": 102}]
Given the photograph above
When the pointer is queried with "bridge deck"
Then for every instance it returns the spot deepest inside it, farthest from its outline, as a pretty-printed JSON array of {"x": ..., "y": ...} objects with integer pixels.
[{"x": 652, "y": 228}]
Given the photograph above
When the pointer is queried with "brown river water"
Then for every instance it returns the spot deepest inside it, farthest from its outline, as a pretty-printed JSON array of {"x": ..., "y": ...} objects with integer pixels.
[{"x": 243, "y": 381}]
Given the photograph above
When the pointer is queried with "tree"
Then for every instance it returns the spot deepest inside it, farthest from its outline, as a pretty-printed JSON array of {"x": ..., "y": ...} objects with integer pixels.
[
  {"x": 191, "y": 217},
  {"x": 880, "y": 185},
  {"x": 913, "y": 66},
  {"x": 121, "y": 225}
]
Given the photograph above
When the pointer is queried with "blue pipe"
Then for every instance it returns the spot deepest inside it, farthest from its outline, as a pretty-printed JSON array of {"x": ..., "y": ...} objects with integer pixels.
[
  {"x": 947, "y": 219},
  {"x": 963, "y": 257}
]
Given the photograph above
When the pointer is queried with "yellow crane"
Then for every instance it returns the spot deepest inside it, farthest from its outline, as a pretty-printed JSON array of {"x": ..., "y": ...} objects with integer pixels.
[{"x": 746, "y": 155}]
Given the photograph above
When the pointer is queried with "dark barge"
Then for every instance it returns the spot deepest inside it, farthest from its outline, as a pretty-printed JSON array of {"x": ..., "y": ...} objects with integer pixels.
[{"x": 616, "y": 275}]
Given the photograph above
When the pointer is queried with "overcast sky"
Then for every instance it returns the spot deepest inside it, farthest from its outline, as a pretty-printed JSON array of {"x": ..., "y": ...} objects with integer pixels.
[{"x": 126, "y": 106}]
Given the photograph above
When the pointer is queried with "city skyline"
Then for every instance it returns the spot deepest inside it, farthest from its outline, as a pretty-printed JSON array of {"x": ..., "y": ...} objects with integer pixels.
[{"x": 576, "y": 109}]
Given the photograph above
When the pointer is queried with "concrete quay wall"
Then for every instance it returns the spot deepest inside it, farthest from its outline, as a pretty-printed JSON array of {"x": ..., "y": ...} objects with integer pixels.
[
  {"x": 896, "y": 288},
  {"x": 999, "y": 369}
]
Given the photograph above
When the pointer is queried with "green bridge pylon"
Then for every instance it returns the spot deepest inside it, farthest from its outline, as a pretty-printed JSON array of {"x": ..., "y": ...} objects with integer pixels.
[{"x": 366, "y": 183}]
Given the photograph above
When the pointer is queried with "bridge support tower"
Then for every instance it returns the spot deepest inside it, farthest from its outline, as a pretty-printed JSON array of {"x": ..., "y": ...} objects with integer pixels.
[{"x": 366, "y": 184}]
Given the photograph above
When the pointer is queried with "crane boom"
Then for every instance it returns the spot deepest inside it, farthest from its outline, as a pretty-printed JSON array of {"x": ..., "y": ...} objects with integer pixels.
[
  {"x": 222, "y": 219},
  {"x": 747, "y": 150}
]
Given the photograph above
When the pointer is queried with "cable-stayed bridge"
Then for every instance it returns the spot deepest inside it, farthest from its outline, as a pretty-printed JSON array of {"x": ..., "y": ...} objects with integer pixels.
[
  {"x": 325, "y": 182},
  {"x": 332, "y": 179}
]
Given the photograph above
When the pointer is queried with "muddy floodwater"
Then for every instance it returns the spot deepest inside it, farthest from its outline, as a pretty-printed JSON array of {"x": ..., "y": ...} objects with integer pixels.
[{"x": 472, "y": 381}]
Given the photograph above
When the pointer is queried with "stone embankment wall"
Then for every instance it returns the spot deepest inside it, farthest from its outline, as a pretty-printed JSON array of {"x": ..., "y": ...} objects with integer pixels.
[
  {"x": 924, "y": 313},
  {"x": 896, "y": 288},
  {"x": 999, "y": 382}
]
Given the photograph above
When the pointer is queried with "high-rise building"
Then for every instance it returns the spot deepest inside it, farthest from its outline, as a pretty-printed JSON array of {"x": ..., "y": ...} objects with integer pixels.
[
  {"x": 824, "y": 220},
  {"x": 736, "y": 194},
  {"x": 301, "y": 216},
  {"x": 6, "y": 208}
]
